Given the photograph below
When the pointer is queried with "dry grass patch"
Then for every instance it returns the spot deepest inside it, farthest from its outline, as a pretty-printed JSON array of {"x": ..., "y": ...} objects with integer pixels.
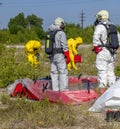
[{"x": 21, "y": 113}]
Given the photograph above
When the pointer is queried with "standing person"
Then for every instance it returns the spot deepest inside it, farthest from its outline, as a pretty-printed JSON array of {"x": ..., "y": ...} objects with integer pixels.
[
  {"x": 60, "y": 57},
  {"x": 105, "y": 59}
]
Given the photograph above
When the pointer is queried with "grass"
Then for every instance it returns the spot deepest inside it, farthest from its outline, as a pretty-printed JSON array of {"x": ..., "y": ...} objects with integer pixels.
[
  {"x": 39, "y": 113},
  {"x": 21, "y": 113}
]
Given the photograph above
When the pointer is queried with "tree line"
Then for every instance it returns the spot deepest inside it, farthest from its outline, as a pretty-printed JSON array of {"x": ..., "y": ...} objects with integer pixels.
[{"x": 21, "y": 29}]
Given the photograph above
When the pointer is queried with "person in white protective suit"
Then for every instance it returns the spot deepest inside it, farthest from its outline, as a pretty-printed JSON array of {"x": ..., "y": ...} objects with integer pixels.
[
  {"x": 104, "y": 59},
  {"x": 60, "y": 57}
]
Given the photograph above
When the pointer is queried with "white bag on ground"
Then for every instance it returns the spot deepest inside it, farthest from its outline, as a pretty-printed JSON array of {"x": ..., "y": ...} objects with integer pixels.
[{"x": 110, "y": 99}]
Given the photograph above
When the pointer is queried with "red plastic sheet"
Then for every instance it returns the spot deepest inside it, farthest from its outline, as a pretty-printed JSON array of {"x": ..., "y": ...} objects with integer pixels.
[{"x": 41, "y": 89}]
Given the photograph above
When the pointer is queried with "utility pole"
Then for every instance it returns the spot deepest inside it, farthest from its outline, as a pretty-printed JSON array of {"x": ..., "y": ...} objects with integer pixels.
[
  {"x": 82, "y": 16},
  {"x": 29, "y": 25}
]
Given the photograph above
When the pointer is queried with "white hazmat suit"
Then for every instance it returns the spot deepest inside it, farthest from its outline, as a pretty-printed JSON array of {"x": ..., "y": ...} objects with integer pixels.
[
  {"x": 59, "y": 71},
  {"x": 104, "y": 59}
]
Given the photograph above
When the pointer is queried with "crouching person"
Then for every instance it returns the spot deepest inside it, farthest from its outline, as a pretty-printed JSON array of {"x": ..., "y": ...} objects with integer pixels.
[{"x": 74, "y": 57}]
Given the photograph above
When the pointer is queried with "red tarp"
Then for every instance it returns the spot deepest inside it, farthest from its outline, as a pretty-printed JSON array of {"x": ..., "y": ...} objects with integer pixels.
[{"x": 41, "y": 89}]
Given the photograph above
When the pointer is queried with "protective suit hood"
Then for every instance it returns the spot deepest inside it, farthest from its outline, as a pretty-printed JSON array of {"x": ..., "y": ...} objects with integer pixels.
[
  {"x": 78, "y": 40},
  {"x": 53, "y": 27},
  {"x": 105, "y": 22}
]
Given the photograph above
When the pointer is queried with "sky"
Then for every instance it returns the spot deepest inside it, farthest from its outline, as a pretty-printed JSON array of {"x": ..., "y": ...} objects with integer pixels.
[{"x": 69, "y": 10}]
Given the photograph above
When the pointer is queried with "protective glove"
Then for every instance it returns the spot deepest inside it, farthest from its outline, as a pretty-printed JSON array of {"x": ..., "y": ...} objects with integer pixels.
[
  {"x": 77, "y": 59},
  {"x": 97, "y": 49},
  {"x": 67, "y": 56}
]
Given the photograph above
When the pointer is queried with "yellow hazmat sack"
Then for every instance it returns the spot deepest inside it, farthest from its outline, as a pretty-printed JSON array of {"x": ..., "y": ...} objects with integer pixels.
[
  {"x": 32, "y": 49},
  {"x": 72, "y": 46}
]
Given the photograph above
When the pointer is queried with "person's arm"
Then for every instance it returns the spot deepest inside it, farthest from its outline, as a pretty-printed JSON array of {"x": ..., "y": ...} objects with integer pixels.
[
  {"x": 118, "y": 38},
  {"x": 100, "y": 34},
  {"x": 64, "y": 46}
]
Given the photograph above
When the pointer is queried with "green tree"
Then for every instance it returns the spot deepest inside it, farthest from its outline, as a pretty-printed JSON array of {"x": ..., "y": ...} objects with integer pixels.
[
  {"x": 32, "y": 23},
  {"x": 16, "y": 24},
  {"x": 35, "y": 24},
  {"x": 72, "y": 31},
  {"x": 33, "y": 20}
]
